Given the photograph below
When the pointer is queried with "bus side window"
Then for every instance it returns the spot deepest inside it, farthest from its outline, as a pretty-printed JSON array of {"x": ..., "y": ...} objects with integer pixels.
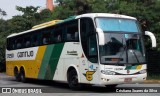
[
  {"x": 9, "y": 44},
  {"x": 45, "y": 40},
  {"x": 19, "y": 45},
  {"x": 34, "y": 40},
  {"x": 20, "y": 42},
  {"x": 46, "y": 36},
  {"x": 58, "y": 35},
  {"x": 27, "y": 42},
  {"x": 52, "y": 36},
  {"x": 76, "y": 36},
  {"x": 72, "y": 31},
  {"x": 92, "y": 45},
  {"x": 15, "y": 44}
]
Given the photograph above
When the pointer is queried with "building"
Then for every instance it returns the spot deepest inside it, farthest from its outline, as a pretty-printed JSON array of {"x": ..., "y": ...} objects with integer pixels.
[{"x": 49, "y": 5}]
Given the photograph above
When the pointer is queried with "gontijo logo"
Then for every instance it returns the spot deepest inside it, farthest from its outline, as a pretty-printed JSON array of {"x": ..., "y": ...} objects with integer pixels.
[
  {"x": 22, "y": 54},
  {"x": 25, "y": 54}
]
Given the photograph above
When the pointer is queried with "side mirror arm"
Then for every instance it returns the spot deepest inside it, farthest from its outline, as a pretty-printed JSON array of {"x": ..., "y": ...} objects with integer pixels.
[
  {"x": 100, "y": 36},
  {"x": 153, "y": 38}
]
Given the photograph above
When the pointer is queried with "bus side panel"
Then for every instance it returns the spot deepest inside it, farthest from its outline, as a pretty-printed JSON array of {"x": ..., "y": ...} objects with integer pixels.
[
  {"x": 50, "y": 61},
  {"x": 9, "y": 68},
  {"x": 31, "y": 67},
  {"x": 70, "y": 57}
]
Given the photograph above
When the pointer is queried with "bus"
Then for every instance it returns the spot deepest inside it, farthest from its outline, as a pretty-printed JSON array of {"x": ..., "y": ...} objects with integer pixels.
[{"x": 93, "y": 48}]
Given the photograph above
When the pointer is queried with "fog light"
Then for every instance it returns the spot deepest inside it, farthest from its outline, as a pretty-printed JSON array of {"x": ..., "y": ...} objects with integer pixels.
[
  {"x": 108, "y": 79},
  {"x": 144, "y": 78}
]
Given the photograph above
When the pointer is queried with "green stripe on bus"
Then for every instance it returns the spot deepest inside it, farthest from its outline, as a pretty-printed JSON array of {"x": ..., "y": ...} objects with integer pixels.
[
  {"x": 57, "y": 50},
  {"x": 128, "y": 67},
  {"x": 45, "y": 61},
  {"x": 131, "y": 67},
  {"x": 68, "y": 19}
]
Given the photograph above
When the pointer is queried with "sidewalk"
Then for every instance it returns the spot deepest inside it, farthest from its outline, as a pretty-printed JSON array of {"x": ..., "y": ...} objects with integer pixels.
[{"x": 152, "y": 82}]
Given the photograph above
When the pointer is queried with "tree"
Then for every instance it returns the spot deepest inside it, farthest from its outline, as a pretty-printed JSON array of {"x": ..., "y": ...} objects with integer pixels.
[
  {"x": 45, "y": 16},
  {"x": 28, "y": 11},
  {"x": 30, "y": 14},
  {"x": 15, "y": 25},
  {"x": 3, "y": 25},
  {"x": 3, "y": 28},
  {"x": 2, "y": 13}
]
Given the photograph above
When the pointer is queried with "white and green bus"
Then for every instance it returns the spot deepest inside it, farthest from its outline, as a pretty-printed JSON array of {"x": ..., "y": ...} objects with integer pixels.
[{"x": 94, "y": 48}]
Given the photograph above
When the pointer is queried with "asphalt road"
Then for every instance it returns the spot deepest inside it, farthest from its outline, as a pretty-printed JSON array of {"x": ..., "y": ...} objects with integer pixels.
[{"x": 62, "y": 89}]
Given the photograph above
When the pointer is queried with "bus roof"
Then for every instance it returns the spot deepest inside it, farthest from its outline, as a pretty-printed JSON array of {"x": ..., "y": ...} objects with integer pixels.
[
  {"x": 54, "y": 22},
  {"x": 50, "y": 23},
  {"x": 93, "y": 15}
]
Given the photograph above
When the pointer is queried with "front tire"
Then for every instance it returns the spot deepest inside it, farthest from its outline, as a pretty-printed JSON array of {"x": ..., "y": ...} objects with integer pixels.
[{"x": 73, "y": 80}]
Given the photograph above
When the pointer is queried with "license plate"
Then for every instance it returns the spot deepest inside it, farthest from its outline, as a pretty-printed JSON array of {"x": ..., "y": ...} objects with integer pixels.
[{"x": 128, "y": 80}]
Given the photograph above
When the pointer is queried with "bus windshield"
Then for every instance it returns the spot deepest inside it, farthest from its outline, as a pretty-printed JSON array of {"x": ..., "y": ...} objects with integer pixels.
[
  {"x": 117, "y": 24},
  {"x": 122, "y": 49}
]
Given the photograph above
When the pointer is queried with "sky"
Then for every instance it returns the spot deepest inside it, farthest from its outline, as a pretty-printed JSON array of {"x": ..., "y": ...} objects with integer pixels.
[{"x": 9, "y": 6}]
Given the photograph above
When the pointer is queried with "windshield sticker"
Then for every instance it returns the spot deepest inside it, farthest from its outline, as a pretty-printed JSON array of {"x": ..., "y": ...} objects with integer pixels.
[
  {"x": 126, "y": 36},
  {"x": 89, "y": 75},
  {"x": 136, "y": 67},
  {"x": 91, "y": 67}
]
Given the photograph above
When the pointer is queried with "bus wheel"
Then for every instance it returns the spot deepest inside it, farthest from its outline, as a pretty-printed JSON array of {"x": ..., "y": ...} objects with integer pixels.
[
  {"x": 73, "y": 80},
  {"x": 16, "y": 74},
  {"x": 111, "y": 86},
  {"x": 22, "y": 76}
]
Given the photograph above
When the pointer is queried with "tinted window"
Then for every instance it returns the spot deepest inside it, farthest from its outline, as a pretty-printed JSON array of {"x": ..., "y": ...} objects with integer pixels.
[
  {"x": 46, "y": 34},
  {"x": 36, "y": 39},
  {"x": 27, "y": 41},
  {"x": 64, "y": 32},
  {"x": 88, "y": 39},
  {"x": 72, "y": 31},
  {"x": 58, "y": 37}
]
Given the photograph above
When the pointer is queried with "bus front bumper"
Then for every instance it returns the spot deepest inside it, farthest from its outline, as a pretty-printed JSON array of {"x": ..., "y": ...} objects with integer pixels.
[{"x": 122, "y": 79}]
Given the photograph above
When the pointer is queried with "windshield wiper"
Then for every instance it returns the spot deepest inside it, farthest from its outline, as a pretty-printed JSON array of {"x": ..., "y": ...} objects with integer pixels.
[
  {"x": 135, "y": 55},
  {"x": 125, "y": 49}
]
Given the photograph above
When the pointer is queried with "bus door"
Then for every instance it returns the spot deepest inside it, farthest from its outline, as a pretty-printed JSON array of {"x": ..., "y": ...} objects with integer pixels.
[
  {"x": 89, "y": 47},
  {"x": 92, "y": 74},
  {"x": 83, "y": 69}
]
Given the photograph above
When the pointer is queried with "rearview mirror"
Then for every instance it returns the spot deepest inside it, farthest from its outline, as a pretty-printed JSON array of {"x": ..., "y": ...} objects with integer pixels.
[
  {"x": 153, "y": 38},
  {"x": 100, "y": 36}
]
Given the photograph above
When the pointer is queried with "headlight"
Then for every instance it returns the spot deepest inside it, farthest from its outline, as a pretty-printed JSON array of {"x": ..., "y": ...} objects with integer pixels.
[
  {"x": 107, "y": 72},
  {"x": 143, "y": 71}
]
